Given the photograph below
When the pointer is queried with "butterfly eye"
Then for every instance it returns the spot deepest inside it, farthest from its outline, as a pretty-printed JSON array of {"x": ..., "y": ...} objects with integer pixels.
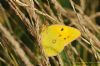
[
  {"x": 53, "y": 41},
  {"x": 62, "y": 29}
]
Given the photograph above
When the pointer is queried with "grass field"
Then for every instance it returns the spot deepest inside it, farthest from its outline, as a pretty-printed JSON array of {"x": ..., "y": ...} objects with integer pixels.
[{"x": 21, "y": 22}]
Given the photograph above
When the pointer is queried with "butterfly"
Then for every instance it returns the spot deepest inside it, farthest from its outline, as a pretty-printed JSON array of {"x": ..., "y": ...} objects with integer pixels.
[{"x": 55, "y": 37}]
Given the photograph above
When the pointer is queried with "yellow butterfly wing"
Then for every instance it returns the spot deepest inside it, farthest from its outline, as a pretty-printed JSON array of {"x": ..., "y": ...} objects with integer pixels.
[{"x": 55, "y": 37}]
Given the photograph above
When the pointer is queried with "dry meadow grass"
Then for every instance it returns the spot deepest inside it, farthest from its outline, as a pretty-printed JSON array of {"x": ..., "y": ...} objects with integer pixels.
[{"x": 21, "y": 22}]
